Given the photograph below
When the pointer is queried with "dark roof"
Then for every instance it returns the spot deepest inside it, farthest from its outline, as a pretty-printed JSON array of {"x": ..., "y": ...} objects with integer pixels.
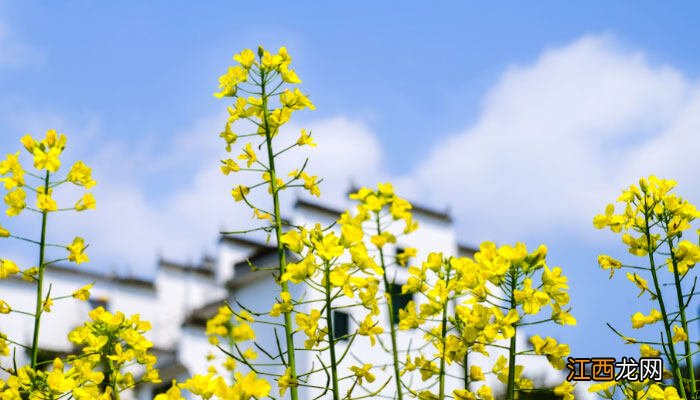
[
  {"x": 442, "y": 215},
  {"x": 243, "y": 274},
  {"x": 466, "y": 249},
  {"x": 330, "y": 211},
  {"x": 121, "y": 280},
  {"x": 203, "y": 269},
  {"x": 199, "y": 316},
  {"x": 240, "y": 240}
]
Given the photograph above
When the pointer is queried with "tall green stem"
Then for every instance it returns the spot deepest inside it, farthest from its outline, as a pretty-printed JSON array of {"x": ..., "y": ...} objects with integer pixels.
[
  {"x": 281, "y": 256},
  {"x": 684, "y": 321},
  {"x": 390, "y": 305},
  {"x": 675, "y": 369},
  {"x": 510, "y": 389},
  {"x": 443, "y": 335},
  {"x": 331, "y": 339},
  {"x": 40, "y": 282}
]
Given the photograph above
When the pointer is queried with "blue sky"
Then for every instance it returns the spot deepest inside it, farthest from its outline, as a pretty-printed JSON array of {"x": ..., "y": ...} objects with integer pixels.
[{"x": 524, "y": 118}]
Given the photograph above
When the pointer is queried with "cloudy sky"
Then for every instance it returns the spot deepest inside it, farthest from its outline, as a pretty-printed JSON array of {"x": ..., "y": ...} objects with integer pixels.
[{"x": 522, "y": 120}]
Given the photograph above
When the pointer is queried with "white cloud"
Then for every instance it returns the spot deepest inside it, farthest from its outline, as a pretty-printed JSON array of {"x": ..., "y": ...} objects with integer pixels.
[
  {"x": 13, "y": 52},
  {"x": 558, "y": 138},
  {"x": 555, "y": 140},
  {"x": 154, "y": 198}
]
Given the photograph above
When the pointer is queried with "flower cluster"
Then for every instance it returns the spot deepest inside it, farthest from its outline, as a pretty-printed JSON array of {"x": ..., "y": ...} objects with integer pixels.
[
  {"x": 652, "y": 222},
  {"x": 494, "y": 293}
]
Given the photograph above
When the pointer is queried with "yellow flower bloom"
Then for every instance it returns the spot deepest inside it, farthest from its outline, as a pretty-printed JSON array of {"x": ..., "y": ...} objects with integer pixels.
[
  {"x": 7, "y": 268},
  {"x": 328, "y": 247},
  {"x": 305, "y": 139},
  {"x": 246, "y": 58},
  {"x": 83, "y": 293},
  {"x": 640, "y": 282},
  {"x": 47, "y": 160},
  {"x": 369, "y": 328},
  {"x": 607, "y": 262},
  {"x": 476, "y": 374},
  {"x": 16, "y": 202},
  {"x": 229, "y": 166},
  {"x": 286, "y": 381},
  {"x": 87, "y": 202},
  {"x": 679, "y": 334},
  {"x": 239, "y": 192},
  {"x": 172, "y": 394},
  {"x": 639, "y": 319},
  {"x": 363, "y": 373},
  {"x": 565, "y": 390},
  {"x": 76, "y": 251},
  {"x": 81, "y": 175},
  {"x": 248, "y": 155}
]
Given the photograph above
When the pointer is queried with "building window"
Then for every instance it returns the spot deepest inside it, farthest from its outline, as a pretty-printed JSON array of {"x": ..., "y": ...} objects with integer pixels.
[
  {"x": 398, "y": 300},
  {"x": 341, "y": 325},
  {"x": 162, "y": 388},
  {"x": 95, "y": 302},
  {"x": 398, "y": 257}
]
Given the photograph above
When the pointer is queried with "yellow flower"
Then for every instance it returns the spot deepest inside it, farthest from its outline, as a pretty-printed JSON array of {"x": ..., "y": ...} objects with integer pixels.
[
  {"x": 4, "y": 307},
  {"x": 531, "y": 299},
  {"x": 83, "y": 293},
  {"x": 47, "y": 160},
  {"x": 679, "y": 334},
  {"x": 246, "y": 58},
  {"x": 640, "y": 282},
  {"x": 305, "y": 139},
  {"x": 485, "y": 393},
  {"x": 297, "y": 272},
  {"x": 172, "y": 394},
  {"x": 369, "y": 328},
  {"x": 81, "y": 175},
  {"x": 7, "y": 268},
  {"x": 363, "y": 373},
  {"x": 309, "y": 324},
  {"x": 463, "y": 394},
  {"x": 76, "y": 250},
  {"x": 228, "y": 82},
  {"x": 639, "y": 319},
  {"x": 286, "y": 381},
  {"x": 48, "y": 303},
  {"x": 607, "y": 262},
  {"x": 328, "y": 247},
  {"x": 248, "y": 155},
  {"x": 239, "y": 192},
  {"x": 476, "y": 374},
  {"x": 229, "y": 166},
  {"x": 565, "y": 390},
  {"x": 311, "y": 184},
  {"x": 647, "y": 351},
  {"x": 16, "y": 202},
  {"x": 284, "y": 306},
  {"x": 288, "y": 75},
  {"x": 293, "y": 240},
  {"x": 4, "y": 232},
  {"x": 87, "y": 202}
]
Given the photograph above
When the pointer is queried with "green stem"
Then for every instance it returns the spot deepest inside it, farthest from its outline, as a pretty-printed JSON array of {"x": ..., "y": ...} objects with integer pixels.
[
  {"x": 466, "y": 370},
  {"x": 40, "y": 283},
  {"x": 677, "y": 379},
  {"x": 443, "y": 335},
  {"x": 510, "y": 390},
  {"x": 281, "y": 256},
  {"x": 390, "y": 305},
  {"x": 331, "y": 339},
  {"x": 684, "y": 321}
]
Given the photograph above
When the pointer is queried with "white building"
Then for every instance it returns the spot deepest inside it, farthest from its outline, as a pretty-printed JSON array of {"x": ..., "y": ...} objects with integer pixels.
[{"x": 181, "y": 298}]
